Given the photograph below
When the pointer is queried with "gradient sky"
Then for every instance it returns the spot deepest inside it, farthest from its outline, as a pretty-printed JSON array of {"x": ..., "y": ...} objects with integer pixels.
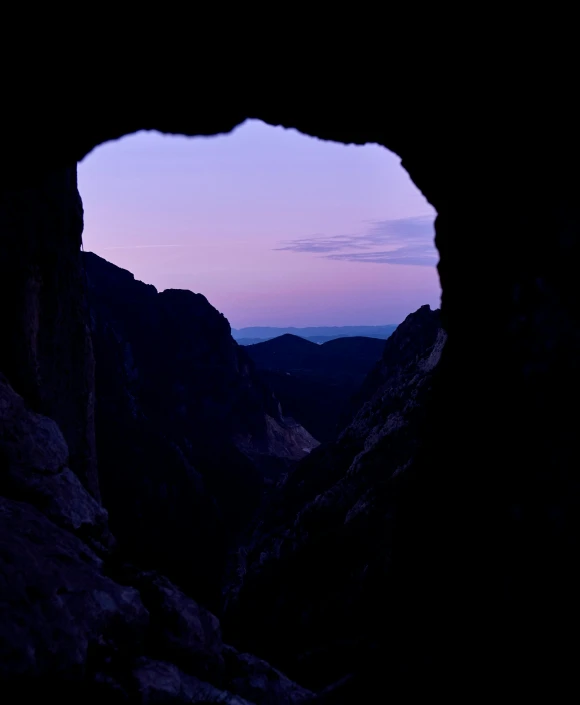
[{"x": 273, "y": 227}]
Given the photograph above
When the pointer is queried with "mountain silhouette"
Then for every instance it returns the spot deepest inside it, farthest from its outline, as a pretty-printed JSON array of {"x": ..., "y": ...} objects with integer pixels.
[
  {"x": 317, "y": 334},
  {"x": 315, "y": 383}
]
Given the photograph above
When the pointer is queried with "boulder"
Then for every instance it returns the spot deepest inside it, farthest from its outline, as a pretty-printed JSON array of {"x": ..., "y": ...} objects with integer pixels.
[
  {"x": 59, "y": 615},
  {"x": 180, "y": 630},
  {"x": 259, "y": 682},
  {"x": 162, "y": 683},
  {"x": 34, "y": 468}
]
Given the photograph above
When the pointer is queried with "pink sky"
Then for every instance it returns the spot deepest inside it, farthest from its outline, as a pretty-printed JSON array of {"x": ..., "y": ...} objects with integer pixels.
[{"x": 214, "y": 215}]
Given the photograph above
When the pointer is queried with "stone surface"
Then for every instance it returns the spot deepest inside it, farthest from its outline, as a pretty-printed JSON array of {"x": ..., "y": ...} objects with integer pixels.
[
  {"x": 73, "y": 622},
  {"x": 46, "y": 351},
  {"x": 59, "y": 614},
  {"x": 161, "y": 683},
  {"x": 183, "y": 368},
  {"x": 29, "y": 440},
  {"x": 66, "y": 626},
  {"x": 187, "y": 432},
  {"x": 180, "y": 630},
  {"x": 33, "y": 467},
  {"x": 318, "y": 568},
  {"x": 257, "y": 681},
  {"x": 487, "y": 525}
]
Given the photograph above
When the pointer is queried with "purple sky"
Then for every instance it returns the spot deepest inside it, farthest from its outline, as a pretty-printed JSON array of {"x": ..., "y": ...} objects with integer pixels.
[{"x": 273, "y": 227}]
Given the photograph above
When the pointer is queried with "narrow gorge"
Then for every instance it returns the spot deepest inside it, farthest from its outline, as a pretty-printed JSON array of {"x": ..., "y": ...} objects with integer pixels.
[
  {"x": 430, "y": 547},
  {"x": 189, "y": 469}
]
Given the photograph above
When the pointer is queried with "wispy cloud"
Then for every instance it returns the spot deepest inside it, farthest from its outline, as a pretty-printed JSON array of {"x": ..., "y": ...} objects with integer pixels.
[
  {"x": 142, "y": 247},
  {"x": 401, "y": 241}
]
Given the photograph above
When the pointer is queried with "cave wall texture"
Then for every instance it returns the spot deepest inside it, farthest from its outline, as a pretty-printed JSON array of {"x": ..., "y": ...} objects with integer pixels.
[
  {"x": 486, "y": 540},
  {"x": 46, "y": 349}
]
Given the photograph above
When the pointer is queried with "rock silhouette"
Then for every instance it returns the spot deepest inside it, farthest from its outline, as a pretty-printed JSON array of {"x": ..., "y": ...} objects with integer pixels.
[
  {"x": 318, "y": 566},
  {"x": 486, "y": 529},
  {"x": 187, "y": 433},
  {"x": 315, "y": 383}
]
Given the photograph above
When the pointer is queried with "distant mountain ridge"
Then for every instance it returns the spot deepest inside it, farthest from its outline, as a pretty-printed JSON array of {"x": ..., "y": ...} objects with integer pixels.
[
  {"x": 316, "y": 334},
  {"x": 315, "y": 382}
]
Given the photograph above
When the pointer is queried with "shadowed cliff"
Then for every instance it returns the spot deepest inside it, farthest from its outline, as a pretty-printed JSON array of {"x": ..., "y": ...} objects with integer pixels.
[
  {"x": 317, "y": 569},
  {"x": 187, "y": 433}
]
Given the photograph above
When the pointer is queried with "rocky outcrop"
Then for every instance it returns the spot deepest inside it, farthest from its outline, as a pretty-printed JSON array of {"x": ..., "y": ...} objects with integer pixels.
[
  {"x": 259, "y": 682},
  {"x": 46, "y": 350},
  {"x": 75, "y": 618},
  {"x": 181, "y": 631},
  {"x": 187, "y": 432},
  {"x": 492, "y": 510},
  {"x": 182, "y": 366},
  {"x": 61, "y": 616},
  {"x": 65, "y": 624},
  {"x": 34, "y": 460},
  {"x": 58, "y": 608},
  {"x": 318, "y": 568},
  {"x": 161, "y": 683}
]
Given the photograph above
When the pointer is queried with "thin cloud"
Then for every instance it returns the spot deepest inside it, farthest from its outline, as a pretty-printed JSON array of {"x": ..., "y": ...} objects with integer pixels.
[
  {"x": 143, "y": 247},
  {"x": 401, "y": 241},
  {"x": 403, "y": 255}
]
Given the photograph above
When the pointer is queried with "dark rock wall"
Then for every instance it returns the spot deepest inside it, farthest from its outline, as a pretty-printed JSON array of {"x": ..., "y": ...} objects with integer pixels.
[
  {"x": 486, "y": 538},
  {"x": 487, "y": 529},
  {"x": 184, "y": 369},
  {"x": 80, "y": 624},
  {"x": 187, "y": 434},
  {"x": 46, "y": 350},
  {"x": 318, "y": 567}
]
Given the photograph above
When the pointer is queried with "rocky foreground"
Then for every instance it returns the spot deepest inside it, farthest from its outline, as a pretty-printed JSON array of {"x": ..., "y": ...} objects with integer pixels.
[
  {"x": 75, "y": 611},
  {"x": 72, "y": 614},
  {"x": 136, "y": 442},
  {"x": 317, "y": 568}
]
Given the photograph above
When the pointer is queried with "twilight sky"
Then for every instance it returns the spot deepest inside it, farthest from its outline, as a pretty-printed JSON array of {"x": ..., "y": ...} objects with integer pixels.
[{"x": 273, "y": 227}]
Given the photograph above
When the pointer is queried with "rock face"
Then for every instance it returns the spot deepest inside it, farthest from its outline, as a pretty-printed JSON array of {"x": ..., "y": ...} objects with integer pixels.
[
  {"x": 158, "y": 682},
  {"x": 84, "y": 625},
  {"x": 259, "y": 682},
  {"x": 34, "y": 460},
  {"x": 318, "y": 567},
  {"x": 46, "y": 348},
  {"x": 187, "y": 432},
  {"x": 57, "y": 607},
  {"x": 487, "y": 530},
  {"x": 77, "y": 621}
]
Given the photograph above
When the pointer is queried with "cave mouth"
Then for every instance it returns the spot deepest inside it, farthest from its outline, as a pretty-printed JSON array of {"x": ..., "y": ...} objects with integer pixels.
[
  {"x": 274, "y": 227},
  {"x": 451, "y": 142},
  {"x": 276, "y": 231}
]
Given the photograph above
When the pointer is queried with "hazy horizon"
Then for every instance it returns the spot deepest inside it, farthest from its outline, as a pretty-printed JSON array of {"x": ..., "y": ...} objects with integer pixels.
[
  {"x": 314, "y": 327},
  {"x": 276, "y": 229}
]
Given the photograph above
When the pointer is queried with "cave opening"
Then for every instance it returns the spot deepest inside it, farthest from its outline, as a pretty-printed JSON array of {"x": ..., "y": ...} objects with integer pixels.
[
  {"x": 267, "y": 223},
  {"x": 487, "y": 583},
  {"x": 292, "y": 239}
]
